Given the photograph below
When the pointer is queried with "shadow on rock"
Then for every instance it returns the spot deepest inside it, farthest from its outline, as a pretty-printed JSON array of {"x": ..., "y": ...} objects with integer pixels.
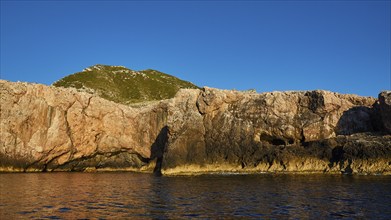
[
  {"x": 356, "y": 120},
  {"x": 158, "y": 148}
]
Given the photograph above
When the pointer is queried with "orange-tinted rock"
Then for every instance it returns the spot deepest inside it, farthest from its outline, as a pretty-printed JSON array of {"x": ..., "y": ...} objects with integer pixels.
[
  {"x": 53, "y": 128},
  {"x": 46, "y": 128}
]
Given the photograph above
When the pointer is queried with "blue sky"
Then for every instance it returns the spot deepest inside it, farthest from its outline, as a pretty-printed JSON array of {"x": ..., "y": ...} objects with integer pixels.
[{"x": 342, "y": 46}]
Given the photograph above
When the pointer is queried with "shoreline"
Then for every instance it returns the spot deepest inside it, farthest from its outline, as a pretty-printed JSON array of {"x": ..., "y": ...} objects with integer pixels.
[{"x": 208, "y": 170}]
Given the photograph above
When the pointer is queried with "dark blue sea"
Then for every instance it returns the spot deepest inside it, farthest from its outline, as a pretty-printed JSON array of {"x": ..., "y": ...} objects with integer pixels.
[{"x": 125, "y": 195}]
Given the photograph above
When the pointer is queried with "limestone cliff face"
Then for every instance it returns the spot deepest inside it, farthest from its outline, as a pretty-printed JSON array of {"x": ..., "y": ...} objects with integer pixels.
[
  {"x": 384, "y": 110},
  {"x": 48, "y": 129},
  {"x": 279, "y": 131}
]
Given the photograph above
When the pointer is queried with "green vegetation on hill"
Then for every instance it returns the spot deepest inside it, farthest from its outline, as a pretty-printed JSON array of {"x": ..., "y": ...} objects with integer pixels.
[{"x": 122, "y": 85}]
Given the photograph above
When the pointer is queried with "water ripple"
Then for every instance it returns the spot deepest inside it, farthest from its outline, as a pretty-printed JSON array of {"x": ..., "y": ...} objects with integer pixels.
[{"x": 129, "y": 195}]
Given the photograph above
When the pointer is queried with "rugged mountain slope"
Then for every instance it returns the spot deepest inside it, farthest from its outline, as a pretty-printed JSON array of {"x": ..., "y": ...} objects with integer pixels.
[
  {"x": 122, "y": 85},
  {"x": 49, "y": 129}
]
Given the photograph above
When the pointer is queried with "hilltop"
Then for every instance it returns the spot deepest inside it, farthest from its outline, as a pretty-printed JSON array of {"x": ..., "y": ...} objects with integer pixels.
[{"x": 123, "y": 85}]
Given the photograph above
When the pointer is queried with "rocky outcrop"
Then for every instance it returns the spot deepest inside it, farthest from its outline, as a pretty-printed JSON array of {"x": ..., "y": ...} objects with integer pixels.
[
  {"x": 50, "y": 129},
  {"x": 385, "y": 110},
  {"x": 279, "y": 131},
  {"x": 46, "y": 128}
]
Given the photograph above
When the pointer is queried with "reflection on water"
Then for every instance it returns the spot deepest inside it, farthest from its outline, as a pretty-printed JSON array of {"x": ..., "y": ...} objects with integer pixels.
[{"x": 130, "y": 195}]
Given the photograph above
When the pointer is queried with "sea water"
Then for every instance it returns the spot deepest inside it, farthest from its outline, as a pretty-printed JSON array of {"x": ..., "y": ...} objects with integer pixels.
[{"x": 126, "y": 195}]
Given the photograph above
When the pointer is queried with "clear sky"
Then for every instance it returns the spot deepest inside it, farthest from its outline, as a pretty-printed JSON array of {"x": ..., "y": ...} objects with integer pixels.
[{"x": 342, "y": 46}]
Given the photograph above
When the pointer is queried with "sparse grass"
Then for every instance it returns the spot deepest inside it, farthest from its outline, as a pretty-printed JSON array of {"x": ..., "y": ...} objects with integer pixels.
[{"x": 125, "y": 86}]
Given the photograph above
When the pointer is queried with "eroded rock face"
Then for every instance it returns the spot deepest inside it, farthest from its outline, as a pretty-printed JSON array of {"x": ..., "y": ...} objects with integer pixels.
[
  {"x": 361, "y": 153},
  {"x": 385, "y": 110},
  {"x": 48, "y": 128},
  {"x": 272, "y": 131},
  {"x": 45, "y": 128}
]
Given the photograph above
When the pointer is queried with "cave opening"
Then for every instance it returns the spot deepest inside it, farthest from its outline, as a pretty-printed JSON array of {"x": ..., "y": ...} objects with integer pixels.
[{"x": 275, "y": 140}]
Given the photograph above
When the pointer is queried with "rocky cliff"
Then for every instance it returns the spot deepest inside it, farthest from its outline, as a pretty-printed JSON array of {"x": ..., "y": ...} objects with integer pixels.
[
  {"x": 56, "y": 129},
  {"x": 47, "y": 128}
]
